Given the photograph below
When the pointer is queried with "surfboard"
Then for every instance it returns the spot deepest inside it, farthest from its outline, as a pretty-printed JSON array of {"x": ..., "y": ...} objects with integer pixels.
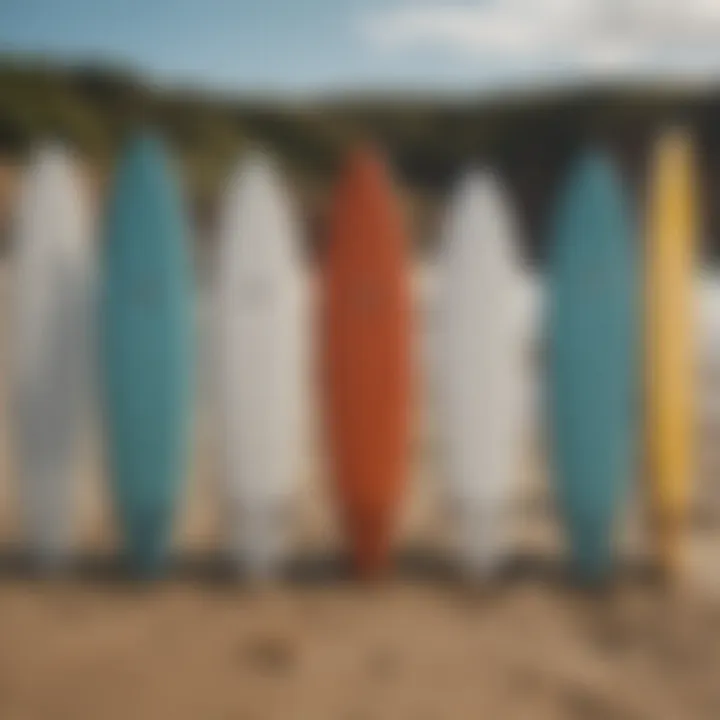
[
  {"x": 260, "y": 335},
  {"x": 51, "y": 341},
  {"x": 593, "y": 306},
  {"x": 146, "y": 349},
  {"x": 671, "y": 237},
  {"x": 366, "y": 324},
  {"x": 482, "y": 369}
]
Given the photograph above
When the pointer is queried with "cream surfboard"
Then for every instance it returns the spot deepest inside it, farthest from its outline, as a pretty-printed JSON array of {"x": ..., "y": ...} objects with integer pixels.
[
  {"x": 51, "y": 341},
  {"x": 259, "y": 332},
  {"x": 482, "y": 368}
]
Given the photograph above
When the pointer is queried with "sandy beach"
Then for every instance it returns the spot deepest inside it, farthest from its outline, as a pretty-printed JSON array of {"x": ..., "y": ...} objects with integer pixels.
[{"x": 420, "y": 645}]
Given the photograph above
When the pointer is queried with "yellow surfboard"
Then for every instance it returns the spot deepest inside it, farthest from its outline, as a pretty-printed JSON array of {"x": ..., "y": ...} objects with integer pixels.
[{"x": 670, "y": 252}]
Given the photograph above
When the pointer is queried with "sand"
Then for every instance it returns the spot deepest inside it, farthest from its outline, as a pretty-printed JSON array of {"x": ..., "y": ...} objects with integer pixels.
[
  {"x": 419, "y": 645},
  {"x": 407, "y": 649}
]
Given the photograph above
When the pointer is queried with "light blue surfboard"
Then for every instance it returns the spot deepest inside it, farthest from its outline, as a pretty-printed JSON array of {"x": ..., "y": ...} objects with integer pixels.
[
  {"x": 593, "y": 305},
  {"x": 146, "y": 337}
]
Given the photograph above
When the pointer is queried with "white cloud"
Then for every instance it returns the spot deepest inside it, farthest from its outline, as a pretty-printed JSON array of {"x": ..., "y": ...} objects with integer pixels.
[{"x": 599, "y": 36}]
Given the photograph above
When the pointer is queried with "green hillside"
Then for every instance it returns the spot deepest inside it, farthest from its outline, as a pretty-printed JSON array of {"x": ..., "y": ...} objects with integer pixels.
[{"x": 529, "y": 139}]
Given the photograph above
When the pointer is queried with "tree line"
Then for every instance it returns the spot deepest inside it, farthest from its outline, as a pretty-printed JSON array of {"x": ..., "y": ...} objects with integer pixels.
[{"x": 528, "y": 138}]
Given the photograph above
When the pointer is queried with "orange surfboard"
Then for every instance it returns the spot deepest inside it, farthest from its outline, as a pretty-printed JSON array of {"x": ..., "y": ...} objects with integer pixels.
[{"x": 366, "y": 312}]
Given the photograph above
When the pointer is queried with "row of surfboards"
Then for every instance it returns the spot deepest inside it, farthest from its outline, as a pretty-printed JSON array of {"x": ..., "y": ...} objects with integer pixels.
[{"x": 608, "y": 332}]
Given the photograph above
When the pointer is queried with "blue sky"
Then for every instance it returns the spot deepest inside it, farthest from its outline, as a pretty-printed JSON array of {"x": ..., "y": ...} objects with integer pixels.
[{"x": 315, "y": 45}]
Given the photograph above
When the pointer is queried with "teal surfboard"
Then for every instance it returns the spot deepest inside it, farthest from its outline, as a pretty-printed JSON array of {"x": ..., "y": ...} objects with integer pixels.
[
  {"x": 593, "y": 305},
  {"x": 146, "y": 350}
]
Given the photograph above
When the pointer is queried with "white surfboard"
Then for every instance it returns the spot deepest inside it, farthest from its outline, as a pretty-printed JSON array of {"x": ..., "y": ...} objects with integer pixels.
[
  {"x": 483, "y": 369},
  {"x": 260, "y": 336},
  {"x": 51, "y": 346}
]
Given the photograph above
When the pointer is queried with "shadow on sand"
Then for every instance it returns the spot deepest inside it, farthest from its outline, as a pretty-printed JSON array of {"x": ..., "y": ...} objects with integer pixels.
[{"x": 416, "y": 565}]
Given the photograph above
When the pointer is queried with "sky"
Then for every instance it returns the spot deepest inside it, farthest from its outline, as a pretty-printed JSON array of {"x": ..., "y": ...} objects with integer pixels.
[{"x": 328, "y": 45}]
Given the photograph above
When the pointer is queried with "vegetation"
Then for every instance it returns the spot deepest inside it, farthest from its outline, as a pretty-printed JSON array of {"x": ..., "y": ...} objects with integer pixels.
[{"x": 529, "y": 139}]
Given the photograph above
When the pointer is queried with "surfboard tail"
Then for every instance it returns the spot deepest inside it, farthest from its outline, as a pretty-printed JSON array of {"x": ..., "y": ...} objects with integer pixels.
[
  {"x": 147, "y": 545},
  {"x": 146, "y": 560},
  {"x": 669, "y": 496},
  {"x": 257, "y": 538},
  {"x": 670, "y": 530},
  {"x": 369, "y": 533},
  {"x": 50, "y": 553},
  {"x": 45, "y": 507},
  {"x": 481, "y": 540},
  {"x": 592, "y": 556}
]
